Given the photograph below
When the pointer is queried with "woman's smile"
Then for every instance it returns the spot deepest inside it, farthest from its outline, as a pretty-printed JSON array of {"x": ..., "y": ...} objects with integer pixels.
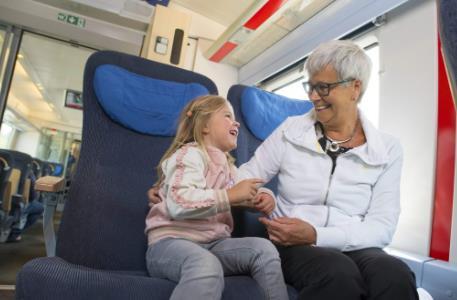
[{"x": 321, "y": 107}]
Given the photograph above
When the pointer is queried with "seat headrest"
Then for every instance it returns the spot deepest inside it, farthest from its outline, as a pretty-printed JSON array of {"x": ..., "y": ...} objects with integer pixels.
[
  {"x": 144, "y": 104},
  {"x": 263, "y": 111}
]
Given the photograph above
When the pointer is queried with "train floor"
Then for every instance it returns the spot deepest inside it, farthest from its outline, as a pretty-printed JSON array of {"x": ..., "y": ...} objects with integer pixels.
[{"x": 14, "y": 255}]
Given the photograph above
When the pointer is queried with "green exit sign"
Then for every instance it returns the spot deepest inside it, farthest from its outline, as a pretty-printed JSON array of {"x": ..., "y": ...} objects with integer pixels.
[{"x": 73, "y": 20}]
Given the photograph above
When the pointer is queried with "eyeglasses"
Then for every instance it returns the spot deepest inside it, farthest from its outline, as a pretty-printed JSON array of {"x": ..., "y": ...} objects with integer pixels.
[{"x": 323, "y": 88}]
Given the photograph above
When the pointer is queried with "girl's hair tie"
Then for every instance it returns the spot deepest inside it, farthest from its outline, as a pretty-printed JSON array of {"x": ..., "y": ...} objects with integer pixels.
[{"x": 189, "y": 113}]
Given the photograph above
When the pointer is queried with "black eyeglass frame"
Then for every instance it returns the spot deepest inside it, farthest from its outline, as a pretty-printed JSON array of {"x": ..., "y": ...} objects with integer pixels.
[{"x": 309, "y": 88}]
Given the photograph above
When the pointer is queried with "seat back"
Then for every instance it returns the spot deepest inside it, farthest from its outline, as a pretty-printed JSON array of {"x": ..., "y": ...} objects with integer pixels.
[
  {"x": 447, "y": 29},
  {"x": 37, "y": 167},
  {"x": 259, "y": 113},
  {"x": 6, "y": 161},
  {"x": 47, "y": 168},
  {"x": 6, "y": 219},
  {"x": 104, "y": 218},
  {"x": 21, "y": 168},
  {"x": 57, "y": 169}
]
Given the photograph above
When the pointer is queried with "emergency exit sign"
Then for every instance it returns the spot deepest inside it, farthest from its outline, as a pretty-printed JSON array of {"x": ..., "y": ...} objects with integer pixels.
[{"x": 73, "y": 20}]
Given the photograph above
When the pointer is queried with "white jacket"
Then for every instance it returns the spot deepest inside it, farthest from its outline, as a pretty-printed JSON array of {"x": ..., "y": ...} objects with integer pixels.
[{"x": 355, "y": 208}]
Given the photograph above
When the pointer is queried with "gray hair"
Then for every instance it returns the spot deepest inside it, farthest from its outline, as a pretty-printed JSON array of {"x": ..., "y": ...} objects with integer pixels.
[{"x": 348, "y": 60}]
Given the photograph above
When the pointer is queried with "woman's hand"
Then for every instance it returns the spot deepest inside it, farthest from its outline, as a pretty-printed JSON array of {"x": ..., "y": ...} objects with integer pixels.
[
  {"x": 289, "y": 231},
  {"x": 153, "y": 196},
  {"x": 264, "y": 203},
  {"x": 244, "y": 190}
]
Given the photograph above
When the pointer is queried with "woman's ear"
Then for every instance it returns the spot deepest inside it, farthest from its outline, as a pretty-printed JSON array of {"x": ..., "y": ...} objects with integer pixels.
[{"x": 357, "y": 89}]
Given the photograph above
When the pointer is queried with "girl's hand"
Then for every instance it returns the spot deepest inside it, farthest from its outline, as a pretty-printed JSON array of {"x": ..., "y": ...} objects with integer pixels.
[
  {"x": 244, "y": 190},
  {"x": 153, "y": 196},
  {"x": 264, "y": 203}
]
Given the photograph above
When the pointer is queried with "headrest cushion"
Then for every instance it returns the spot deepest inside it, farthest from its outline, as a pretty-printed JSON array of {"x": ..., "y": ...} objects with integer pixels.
[
  {"x": 263, "y": 111},
  {"x": 141, "y": 103}
]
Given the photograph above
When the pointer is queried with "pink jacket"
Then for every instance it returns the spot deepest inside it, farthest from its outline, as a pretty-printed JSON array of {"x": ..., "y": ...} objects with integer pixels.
[{"x": 195, "y": 205}]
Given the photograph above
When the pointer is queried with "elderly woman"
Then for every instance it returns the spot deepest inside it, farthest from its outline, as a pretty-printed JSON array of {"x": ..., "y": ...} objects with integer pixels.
[{"x": 339, "y": 186}]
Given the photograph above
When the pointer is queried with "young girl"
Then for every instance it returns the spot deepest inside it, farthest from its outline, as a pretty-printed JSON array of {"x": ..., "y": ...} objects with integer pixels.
[{"x": 189, "y": 231}]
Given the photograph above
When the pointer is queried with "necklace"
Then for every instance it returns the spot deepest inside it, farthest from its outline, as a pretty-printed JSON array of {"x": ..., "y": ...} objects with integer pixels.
[{"x": 334, "y": 145}]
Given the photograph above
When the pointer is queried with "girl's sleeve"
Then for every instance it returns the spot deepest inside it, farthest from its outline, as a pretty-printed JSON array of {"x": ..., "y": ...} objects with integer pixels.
[{"x": 187, "y": 195}]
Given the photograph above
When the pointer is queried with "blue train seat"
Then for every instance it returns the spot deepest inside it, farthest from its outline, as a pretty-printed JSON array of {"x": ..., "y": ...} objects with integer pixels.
[
  {"x": 58, "y": 169},
  {"x": 19, "y": 185},
  {"x": 101, "y": 243},
  {"x": 6, "y": 218},
  {"x": 259, "y": 113},
  {"x": 22, "y": 162},
  {"x": 447, "y": 10},
  {"x": 37, "y": 167},
  {"x": 51, "y": 169},
  {"x": 271, "y": 110}
]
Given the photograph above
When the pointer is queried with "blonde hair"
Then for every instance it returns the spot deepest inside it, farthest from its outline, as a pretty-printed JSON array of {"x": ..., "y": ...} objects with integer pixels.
[{"x": 192, "y": 120}]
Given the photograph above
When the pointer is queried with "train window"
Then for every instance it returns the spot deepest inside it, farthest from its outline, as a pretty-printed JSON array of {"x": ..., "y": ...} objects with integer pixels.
[
  {"x": 289, "y": 84},
  {"x": 370, "y": 101},
  {"x": 293, "y": 90},
  {"x": 6, "y": 135}
]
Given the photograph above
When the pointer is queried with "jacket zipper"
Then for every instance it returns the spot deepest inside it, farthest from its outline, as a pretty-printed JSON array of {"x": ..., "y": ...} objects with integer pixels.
[{"x": 328, "y": 190}]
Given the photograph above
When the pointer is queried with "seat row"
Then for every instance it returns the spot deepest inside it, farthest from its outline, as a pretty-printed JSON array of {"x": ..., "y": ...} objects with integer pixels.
[{"x": 18, "y": 173}]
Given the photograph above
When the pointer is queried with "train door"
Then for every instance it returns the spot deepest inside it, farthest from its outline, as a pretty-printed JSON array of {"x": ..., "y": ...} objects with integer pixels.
[{"x": 41, "y": 104}]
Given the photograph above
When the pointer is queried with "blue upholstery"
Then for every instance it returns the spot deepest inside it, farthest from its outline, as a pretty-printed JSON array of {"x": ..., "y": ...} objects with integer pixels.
[
  {"x": 5, "y": 170},
  {"x": 101, "y": 243},
  {"x": 263, "y": 111},
  {"x": 37, "y": 167},
  {"x": 6, "y": 218},
  {"x": 47, "y": 168},
  {"x": 14, "y": 219},
  {"x": 447, "y": 10},
  {"x": 246, "y": 223},
  {"x": 150, "y": 106},
  {"x": 23, "y": 162}
]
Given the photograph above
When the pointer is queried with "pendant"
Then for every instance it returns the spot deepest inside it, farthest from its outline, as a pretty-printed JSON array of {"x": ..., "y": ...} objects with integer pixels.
[{"x": 334, "y": 147}]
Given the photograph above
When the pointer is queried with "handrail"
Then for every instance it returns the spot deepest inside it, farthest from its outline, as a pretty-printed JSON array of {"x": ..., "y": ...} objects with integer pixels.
[{"x": 6, "y": 166}]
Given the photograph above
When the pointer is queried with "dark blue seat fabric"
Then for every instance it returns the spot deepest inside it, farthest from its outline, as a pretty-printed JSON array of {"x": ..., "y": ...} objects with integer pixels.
[
  {"x": 37, "y": 167},
  {"x": 101, "y": 243},
  {"x": 22, "y": 162},
  {"x": 246, "y": 222},
  {"x": 68, "y": 281},
  {"x": 51, "y": 168},
  {"x": 448, "y": 33},
  {"x": 6, "y": 216},
  {"x": 21, "y": 198},
  {"x": 5, "y": 171}
]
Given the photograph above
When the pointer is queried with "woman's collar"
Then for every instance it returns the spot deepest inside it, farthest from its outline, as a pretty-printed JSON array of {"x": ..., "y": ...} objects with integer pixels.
[{"x": 302, "y": 133}]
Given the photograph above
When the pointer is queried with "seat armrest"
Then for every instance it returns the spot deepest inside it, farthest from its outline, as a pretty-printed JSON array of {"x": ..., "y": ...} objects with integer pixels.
[
  {"x": 6, "y": 203},
  {"x": 51, "y": 184},
  {"x": 26, "y": 191}
]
